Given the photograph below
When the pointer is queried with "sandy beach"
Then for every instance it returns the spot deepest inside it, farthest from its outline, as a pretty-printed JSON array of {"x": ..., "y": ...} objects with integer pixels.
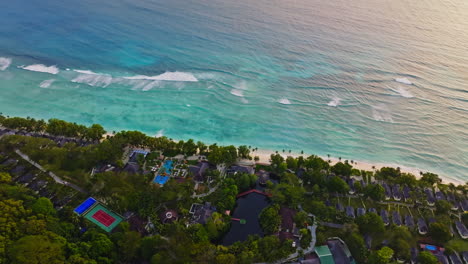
[{"x": 264, "y": 156}]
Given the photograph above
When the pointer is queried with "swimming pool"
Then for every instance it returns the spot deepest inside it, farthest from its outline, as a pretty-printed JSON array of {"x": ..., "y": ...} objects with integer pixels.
[
  {"x": 431, "y": 247},
  {"x": 167, "y": 168}
]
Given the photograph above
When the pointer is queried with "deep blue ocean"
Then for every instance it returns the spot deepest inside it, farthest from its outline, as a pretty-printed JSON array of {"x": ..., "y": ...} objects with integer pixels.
[{"x": 378, "y": 81}]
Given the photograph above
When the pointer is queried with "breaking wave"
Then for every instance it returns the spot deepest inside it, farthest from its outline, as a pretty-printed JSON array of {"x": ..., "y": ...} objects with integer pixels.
[
  {"x": 404, "y": 81},
  {"x": 382, "y": 113},
  {"x": 334, "y": 102},
  {"x": 160, "y": 133},
  {"x": 284, "y": 101},
  {"x": 41, "y": 68},
  {"x": 4, "y": 63},
  {"x": 237, "y": 92},
  {"x": 46, "y": 83},
  {"x": 167, "y": 76},
  {"x": 92, "y": 78},
  {"x": 403, "y": 92}
]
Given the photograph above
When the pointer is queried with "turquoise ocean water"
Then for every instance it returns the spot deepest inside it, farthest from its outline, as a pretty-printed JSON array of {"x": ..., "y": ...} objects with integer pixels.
[{"x": 379, "y": 81}]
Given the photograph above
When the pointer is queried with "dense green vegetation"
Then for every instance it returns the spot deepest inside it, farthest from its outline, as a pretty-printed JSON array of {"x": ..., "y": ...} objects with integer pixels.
[{"x": 35, "y": 230}]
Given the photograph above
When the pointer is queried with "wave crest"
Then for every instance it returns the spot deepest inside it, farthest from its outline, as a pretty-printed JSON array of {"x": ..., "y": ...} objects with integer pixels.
[
  {"x": 4, "y": 63},
  {"x": 335, "y": 101},
  {"x": 403, "y": 92},
  {"x": 237, "y": 92},
  {"x": 46, "y": 83},
  {"x": 93, "y": 79},
  {"x": 167, "y": 76},
  {"x": 404, "y": 81},
  {"x": 41, "y": 68},
  {"x": 284, "y": 101},
  {"x": 382, "y": 113}
]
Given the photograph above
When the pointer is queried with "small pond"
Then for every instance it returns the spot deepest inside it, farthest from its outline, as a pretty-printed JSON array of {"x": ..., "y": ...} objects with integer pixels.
[{"x": 247, "y": 207}]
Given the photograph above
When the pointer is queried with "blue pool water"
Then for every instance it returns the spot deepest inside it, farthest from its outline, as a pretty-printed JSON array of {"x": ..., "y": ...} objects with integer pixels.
[
  {"x": 160, "y": 179},
  {"x": 363, "y": 80},
  {"x": 431, "y": 248}
]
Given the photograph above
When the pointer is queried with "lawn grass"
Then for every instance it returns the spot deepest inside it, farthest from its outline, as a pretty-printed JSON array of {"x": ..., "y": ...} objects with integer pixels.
[{"x": 458, "y": 245}]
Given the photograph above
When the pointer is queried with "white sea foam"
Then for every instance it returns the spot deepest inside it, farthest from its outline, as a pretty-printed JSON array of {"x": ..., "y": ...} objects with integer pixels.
[
  {"x": 160, "y": 133},
  {"x": 382, "y": 113},
  {"x": 167, "y": 76},
  {"x": 403, "y": 92},
  {"x": 245, "y": 101},
  {"x": 93, "y": 79},
  {"x": 188, "y": 105},
  {"x": 335, "y": 101},
  {"x": 4, "y": 63},
  {"x": 404, "y": 81},
  {"x": 46, "y": 83},
  {"x": 150, "y": 85},
  {"x": 85, "y": 72},
  {"x": 284, "y": 101},
  {"x": 237, "y": 92},
  {"x": 41, "y": 68}
]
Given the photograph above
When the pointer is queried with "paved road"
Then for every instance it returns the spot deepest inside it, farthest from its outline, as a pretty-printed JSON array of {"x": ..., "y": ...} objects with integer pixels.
[{"x": 56, "y": 178}]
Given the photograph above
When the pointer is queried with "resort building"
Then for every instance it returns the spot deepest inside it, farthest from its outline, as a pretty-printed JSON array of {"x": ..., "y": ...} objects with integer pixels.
[
  {"x": 201, "y": 213},
  {"x": 455, "y": 259},
  {"x": 240, "y": 169},
  {"x": 461, "y": 228},
  {"x": 430, "y": 197},
  {"x": 361, "y": 211},
  {"x": 406, "y": 193},
  {"x": 422, "y": 227},
  {"x": 350, "y": 212},
  {"x": 384, "y": 216},
  {"x": 324, "y": 254},
  {"x": 396, "y": 218},
  {"x": 388, "y": 191},
  {"x": 409, "y": 222},
  {"x": 340, "y": 251},
  {"x": 263, "y": 177},
  {"x": 198, "y": 171},
  {"x": 396, "y": 192},
  {"x": 288, "y": 227}
]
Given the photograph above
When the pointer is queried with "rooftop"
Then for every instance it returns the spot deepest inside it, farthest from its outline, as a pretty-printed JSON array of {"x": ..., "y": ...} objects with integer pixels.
[{"x": 324, "y": 254}]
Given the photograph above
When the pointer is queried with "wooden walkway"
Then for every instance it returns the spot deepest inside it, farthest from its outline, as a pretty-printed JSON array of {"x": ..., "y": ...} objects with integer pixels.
[{"x": 253, "y": 191}]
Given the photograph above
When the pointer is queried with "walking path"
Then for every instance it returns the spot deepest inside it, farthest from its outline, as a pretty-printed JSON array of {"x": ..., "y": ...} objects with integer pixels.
[
  {"x": 56, "y": 178},
  {"x": 212, "y": 190}
]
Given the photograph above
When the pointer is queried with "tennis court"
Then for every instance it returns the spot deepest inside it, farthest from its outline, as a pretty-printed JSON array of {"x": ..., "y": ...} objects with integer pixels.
[{"x": 103, "y": 217}]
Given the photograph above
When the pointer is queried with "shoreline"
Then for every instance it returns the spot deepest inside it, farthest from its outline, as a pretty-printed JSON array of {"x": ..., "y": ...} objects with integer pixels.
[{"x": 264, "y": 155}]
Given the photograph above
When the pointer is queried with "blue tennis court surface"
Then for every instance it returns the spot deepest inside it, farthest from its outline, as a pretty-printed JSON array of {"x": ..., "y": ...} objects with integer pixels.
[{"x": 85, "y": 205}]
